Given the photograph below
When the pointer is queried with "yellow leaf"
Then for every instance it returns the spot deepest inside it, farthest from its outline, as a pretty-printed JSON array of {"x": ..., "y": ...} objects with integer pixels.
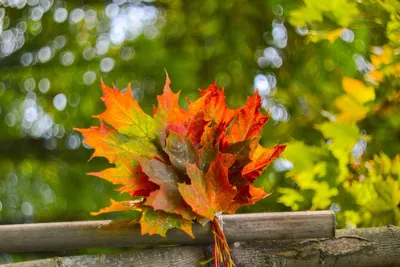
[
  {"x": 358, "y": 90},
  {"x": 350, "y": 110},
  {"x": 376, "y": 75},
  {"x": 120, "y": 206},
  {"x": 384, "y": 58},
  {"x": 396, "y": 70},
  {"x": 331, "y": 36}
]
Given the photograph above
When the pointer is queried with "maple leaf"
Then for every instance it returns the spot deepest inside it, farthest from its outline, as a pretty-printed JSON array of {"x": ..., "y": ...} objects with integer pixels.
[
  {"x": 207, "y": 152},
  {"x": 247, "y": 195},
  {"x": 138, "y": 183},
  {"x": 180, "y": 151},
  {"x": 115, "y": 147},
  {"x": 260, "y": 158},
  {"x": 168, "y": 109},
  {"x": 124, "y": 153},
  {"x": 118, "y": 175},
  {"x": 159, "y": 222},
  {"x": 134, "y": 181},
  {"x": 211, "y": 192},
  {"x": 212, "y": 102},
  {"x": 167, "y": 198},
  {"x": 181, "y": 165},
  {"x": 120, "y": 206},
  {"x": 196, "y": 129},
  {"x": 248, "y": 122},
  {"x": 125, "y": 115}
]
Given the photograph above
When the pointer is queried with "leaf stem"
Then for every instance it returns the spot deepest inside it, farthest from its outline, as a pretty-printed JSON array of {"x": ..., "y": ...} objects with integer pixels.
[{"x": 222, "y": 252}]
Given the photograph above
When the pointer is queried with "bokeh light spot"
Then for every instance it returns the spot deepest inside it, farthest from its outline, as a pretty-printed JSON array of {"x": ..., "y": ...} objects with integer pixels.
[
  {"x": 27, "y": 208},
  {"x": 107, "y": 64},
  {"x": 44, "y": 54},
  {"x": 26, "y": 59},
  {"x": 67, "y": 58},
  {"x": 261, "y": 84},
  {"x": 60, "y": 14},
  {"x": 29, "y": 84},
  {"x": 127, "y": 53},
  {"x": 72, "y": 141},
  {"x": 44, "y": 85},
  {"x": 76, "y": 15},
  {"x": 89, "y": 77},
  {"x": 60, "y": 101}
]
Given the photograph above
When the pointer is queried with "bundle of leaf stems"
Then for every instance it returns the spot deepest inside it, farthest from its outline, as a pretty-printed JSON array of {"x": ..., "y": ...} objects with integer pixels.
[{"x": 222, "y": 252}]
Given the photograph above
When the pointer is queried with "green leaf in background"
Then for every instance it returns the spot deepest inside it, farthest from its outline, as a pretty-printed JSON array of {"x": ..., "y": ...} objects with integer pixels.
[
  {"x": 376, "y": 192},
  {"x": 341, "y": 12},
  {"x": 307, "y": 173},
  {"x": 291, "y": 198},
  {"x": 342, "y": 138}
]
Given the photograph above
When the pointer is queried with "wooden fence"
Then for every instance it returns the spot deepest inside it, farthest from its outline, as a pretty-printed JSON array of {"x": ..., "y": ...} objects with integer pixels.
[{"x": 265, "y": 239}]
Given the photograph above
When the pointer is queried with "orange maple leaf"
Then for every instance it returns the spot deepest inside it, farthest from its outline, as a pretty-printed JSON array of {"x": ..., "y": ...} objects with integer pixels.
[
  {"x": 211, "y": 192},
  {"x": 183, "y": 165},
  {"x": 248, "y": 122}
]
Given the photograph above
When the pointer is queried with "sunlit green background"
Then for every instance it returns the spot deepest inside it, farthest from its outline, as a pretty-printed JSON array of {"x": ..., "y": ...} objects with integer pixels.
[{"x": 53, "y": 53}]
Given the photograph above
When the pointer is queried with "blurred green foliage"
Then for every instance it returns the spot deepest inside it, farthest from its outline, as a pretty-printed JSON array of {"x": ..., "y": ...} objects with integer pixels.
[{"x": 328, "y": 72}]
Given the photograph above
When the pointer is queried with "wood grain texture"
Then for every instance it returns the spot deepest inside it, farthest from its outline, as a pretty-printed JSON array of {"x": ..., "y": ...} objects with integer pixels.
[
  {"x": 241, "y": 227},
  {"x": 368, "y": 247},
  {"x": 363, "y": 247},
  {"x": 168, "y": 257}
]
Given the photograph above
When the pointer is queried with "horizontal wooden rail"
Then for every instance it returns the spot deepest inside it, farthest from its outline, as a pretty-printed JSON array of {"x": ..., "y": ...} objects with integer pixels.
[
  {"x": 237, "y": 228},
  {"x": 368, "y": 247}
]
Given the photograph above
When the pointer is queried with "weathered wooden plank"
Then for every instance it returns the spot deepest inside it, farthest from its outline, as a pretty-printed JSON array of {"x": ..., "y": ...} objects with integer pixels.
[
  {"x": 166, "y": 257},
  {"x": 368, "y": 247},
  {"x": 241, "y": 227},
  {"x": 363, "y": 247}
]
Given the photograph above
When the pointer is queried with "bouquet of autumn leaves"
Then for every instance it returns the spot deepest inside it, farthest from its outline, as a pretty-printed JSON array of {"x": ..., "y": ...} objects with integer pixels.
[{"x": 180, "y": 166}]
